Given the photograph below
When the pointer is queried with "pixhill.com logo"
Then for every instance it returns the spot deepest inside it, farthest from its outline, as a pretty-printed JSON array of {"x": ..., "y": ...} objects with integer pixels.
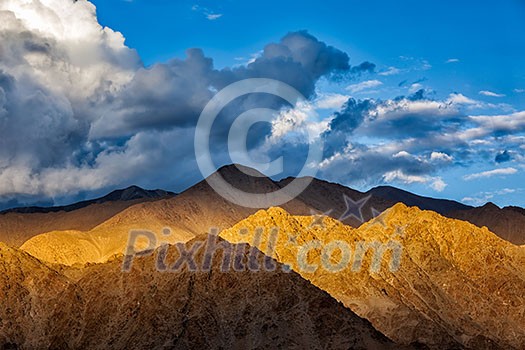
[{"x": 307, "y": 256}]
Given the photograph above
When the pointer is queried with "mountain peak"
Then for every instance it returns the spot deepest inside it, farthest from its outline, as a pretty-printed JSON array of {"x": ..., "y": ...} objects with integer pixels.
[
  {"x": 233, "y": 171},
  {"x": 490, "y": 205},
  {"x": 426, "y": 256}
]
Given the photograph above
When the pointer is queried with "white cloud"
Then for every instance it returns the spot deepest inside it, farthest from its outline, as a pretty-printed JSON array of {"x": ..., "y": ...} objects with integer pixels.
[
  {"x": 435, "y": 183},
  {"x": 483, "y": 197},
  {"x": 462, "y": 99},
  {"x": 331, "y": 101},
  {"x": 58, "y": 69},
  {"x": 208, "y": 14},
  {"x": 426, "y": 65},
  {"x": 298, "y": 122},
  {"x": 439, "y": 156},
  {"x": 452, "y": 60},
  {"x": 491, "y": 173},
  {"x": 415, "y": 87},
  {"x": 394, "y": 109},
  {"x": 399, "y": 175},
  {"x": 506, "y": 122},
  {"x": 402, "y": 154},
  {"x": 519, "y": 91},
  {"x": 213, "y": 16},
  {"x": 365, "y": 85},
  {"x": 438, "y": 184},
  {"x": 490, "y": 93},
  {"x": 79, "y": 111},
  {"x": 390, "y": 71}
]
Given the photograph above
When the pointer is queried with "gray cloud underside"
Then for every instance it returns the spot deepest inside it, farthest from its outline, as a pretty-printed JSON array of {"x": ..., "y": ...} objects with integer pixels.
[{"x": 80, "y": 112}]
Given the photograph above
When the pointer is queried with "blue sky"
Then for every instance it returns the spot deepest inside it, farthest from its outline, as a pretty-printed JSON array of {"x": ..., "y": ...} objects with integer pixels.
[
  {"x": 487, "y": 38},
  {"x": 452, "y": 47},
  {"x": 110, "y": 98}
]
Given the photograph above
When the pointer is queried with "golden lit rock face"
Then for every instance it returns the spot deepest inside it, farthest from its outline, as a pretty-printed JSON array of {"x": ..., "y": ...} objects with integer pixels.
[
  {"x": 456, "y": 283},
  {"x": 183, "y": 309}
]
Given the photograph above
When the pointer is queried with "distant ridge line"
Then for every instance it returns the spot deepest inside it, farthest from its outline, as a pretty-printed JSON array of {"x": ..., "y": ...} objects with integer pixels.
[{"x": 126, "y": 194}]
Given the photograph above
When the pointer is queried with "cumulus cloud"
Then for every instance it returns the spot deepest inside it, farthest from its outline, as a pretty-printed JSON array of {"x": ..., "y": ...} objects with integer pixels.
[
  {"x": 410, "y": 139},
  {"x": 57, "y": 67},
  {"x": 173, "y": 94},
  {"x": 440, "y": 157},
  {"x": 79, "y": 111}
]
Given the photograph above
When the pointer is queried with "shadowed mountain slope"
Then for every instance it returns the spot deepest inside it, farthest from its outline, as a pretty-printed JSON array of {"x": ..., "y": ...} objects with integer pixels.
[
  {"x": 148, "y": 309},
  {"x": 329, "y": 198},
  {"x": 396, "y": 195},
  {"x": 507, "y": 222},
  {"x": 19, "y": 225},
  {"x": 128, "y": 194},
  {"x": 189, "y": 214}
]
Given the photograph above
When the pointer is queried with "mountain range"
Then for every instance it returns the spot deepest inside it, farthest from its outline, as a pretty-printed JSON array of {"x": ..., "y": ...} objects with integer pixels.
[
  {"x": 455, "y": 283},
  {"x": 127, "y": 208}
]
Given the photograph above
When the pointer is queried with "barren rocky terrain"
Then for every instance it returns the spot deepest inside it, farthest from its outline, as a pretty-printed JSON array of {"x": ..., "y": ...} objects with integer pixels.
[
  {"x": 147, "y": 309},
  {"x": 456, "y": 283}
]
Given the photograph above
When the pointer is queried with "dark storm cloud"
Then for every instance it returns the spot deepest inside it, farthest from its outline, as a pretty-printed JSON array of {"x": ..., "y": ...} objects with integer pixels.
[
  {"x": 344, "y": 122},
  {"x": 7, "y": 81},
  {"x": 351, "y": 115},
  {"x": 414, "y": 115},
  {"x": 368, "y": 166},
  {"x": 174, "y": 94}
]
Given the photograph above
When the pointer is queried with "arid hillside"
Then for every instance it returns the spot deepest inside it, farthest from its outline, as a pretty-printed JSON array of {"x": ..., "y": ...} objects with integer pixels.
[
  {"x": 189, "y": 214},
  {"x": 200, "y": 208},
  {"x": 453, "y": 282},
  {"x": 179, "y": 309},
  {"x": 19, "y": 225}
]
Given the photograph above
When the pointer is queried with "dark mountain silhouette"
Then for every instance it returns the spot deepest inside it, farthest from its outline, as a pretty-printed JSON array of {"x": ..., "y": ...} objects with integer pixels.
[
  {"x": 441, "y": 206},
  {"x": 507, "y": 222},
  {"x": 329, "y": 198},
  {"x": 128, "y": 194}
]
